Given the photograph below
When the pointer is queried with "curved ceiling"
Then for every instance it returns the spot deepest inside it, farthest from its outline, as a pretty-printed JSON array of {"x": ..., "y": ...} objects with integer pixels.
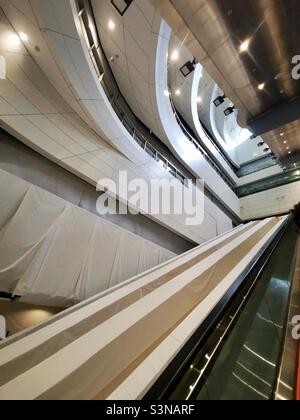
[
  {"x": 271, "y": 29},
  {"x": 225, "y": 130},
  {"x": 32, "y": 109},
  {"x": 133, "y": 44}
]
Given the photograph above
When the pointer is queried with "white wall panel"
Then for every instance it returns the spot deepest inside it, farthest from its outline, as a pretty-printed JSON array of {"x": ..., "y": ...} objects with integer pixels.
[{"x": 274, "y": 201}]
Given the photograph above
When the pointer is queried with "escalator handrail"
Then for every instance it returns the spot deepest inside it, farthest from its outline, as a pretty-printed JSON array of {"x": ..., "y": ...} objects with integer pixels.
[{"x": 170, "y": 377}]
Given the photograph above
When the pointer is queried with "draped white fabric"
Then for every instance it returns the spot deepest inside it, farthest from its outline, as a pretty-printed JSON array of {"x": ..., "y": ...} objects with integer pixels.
[{"x": 54, "y": 253}]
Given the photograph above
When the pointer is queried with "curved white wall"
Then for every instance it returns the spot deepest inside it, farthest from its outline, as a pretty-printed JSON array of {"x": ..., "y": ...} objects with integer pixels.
[
  {"x": 181, "y": 146},
  {"x": 34, "y": 112}
]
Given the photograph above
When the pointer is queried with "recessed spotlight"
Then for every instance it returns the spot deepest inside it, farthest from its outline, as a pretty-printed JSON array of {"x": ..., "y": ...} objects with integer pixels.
[
  {"x": 285, "y": 142},
  {"x": 175, "y": 55},
  {"x": 290, "y": 152},
  {"x": 14, "y": 40},
  {"x": 178, "y": 92},
  {"x": 287, "y": 148},
  {"x": 255, "y": 154},
  {"x": 111, "y": 25},
  {"x": 244, "y": 46},
  {"x": 167, "y": 93},
  {"x": 199, "y": 99},
  {"x": 261, "y": 86},
  {"x": 23, "y": 37},
  {"x": 281, "y": 134}
]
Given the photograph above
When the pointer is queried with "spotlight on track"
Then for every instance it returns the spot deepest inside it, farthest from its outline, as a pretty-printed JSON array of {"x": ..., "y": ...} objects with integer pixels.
[
  {"x": 188, "y": 68},
  {"x": 219, "y": 100},
  {"x": 260, "y": 144},
  {"x": 228, "y": 111},
  {"x": 267, "y": 149}
]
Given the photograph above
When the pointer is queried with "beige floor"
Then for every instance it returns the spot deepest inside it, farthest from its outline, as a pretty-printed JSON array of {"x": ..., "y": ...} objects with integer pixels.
[{"x": 20, "y": 316}]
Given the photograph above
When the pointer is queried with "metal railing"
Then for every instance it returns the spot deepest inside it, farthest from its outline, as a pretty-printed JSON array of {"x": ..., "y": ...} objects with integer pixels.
[
  {"x": 93, "y": 46},
  {"x": 197, "y": 145},
  {"x": 274, "y": 181}
]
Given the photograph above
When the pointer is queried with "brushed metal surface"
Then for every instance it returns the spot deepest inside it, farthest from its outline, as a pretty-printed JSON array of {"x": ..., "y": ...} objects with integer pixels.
[{"x": 220, "y": 27}]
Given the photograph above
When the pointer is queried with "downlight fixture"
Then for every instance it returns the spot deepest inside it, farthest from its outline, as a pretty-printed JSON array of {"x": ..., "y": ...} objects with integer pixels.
[
  {"x": 23, "y": 36},
  {"x": 244, "y": 46}
]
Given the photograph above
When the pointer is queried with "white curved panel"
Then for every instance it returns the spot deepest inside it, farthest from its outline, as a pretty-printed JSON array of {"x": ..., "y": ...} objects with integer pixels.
[{"x": 182, "y": 147}]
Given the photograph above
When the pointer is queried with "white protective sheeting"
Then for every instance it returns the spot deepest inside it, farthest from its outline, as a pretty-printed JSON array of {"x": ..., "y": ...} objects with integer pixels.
[{"x": 54, "y": 253}]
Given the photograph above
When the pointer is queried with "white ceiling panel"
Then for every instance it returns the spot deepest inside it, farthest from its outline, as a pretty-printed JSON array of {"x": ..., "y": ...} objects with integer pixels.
[
  {"x": 54, "y": 132},
  {"x": 136, "y": 37},
  {"x": 24, "y": 7},
  {"x": 6, "y": 108},
  {"x": 16, "y": 98},
  {"x": 35, "y": 138}
]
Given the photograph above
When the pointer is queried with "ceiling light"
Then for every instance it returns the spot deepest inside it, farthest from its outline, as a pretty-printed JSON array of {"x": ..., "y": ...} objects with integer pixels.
[
  {"x": 111, "y": 25},
  {"x": 175, "y": 55},
  {"x": 287, "y": 148},
  {"x": 260, "y": 144},
  {"x": 267, "y": 149},
  {"x": 121, "y": 5},
  {"x": 167, "y": 93},
  {"x": 199, "y": 99},
  {"x": 23, "y": 37},
  {"x": 281, "y": 134},
  {"x": 219, "y": 100},
  {"x": 285, "y": 142},
  {"x": 14, "y": 40},
  {"x": 188, "y": 68},
  {"x": 178, "y": 92},
  {"x": 290, "y": 152},
  {"x": 261, "y": 86},
  {"x": 253, "y": 137},
  {"x": 255, "y": 154},
  {"x": 229, "y": 111},
  {"x": 244, "y": 46}
]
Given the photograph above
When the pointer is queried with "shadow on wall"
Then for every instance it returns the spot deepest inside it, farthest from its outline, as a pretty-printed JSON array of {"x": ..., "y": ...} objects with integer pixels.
[{"x": 20, "y": 316}]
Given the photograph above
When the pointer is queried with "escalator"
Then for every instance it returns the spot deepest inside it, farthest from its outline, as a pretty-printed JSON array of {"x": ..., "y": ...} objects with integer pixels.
[{"x": 237, "y": 355}]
